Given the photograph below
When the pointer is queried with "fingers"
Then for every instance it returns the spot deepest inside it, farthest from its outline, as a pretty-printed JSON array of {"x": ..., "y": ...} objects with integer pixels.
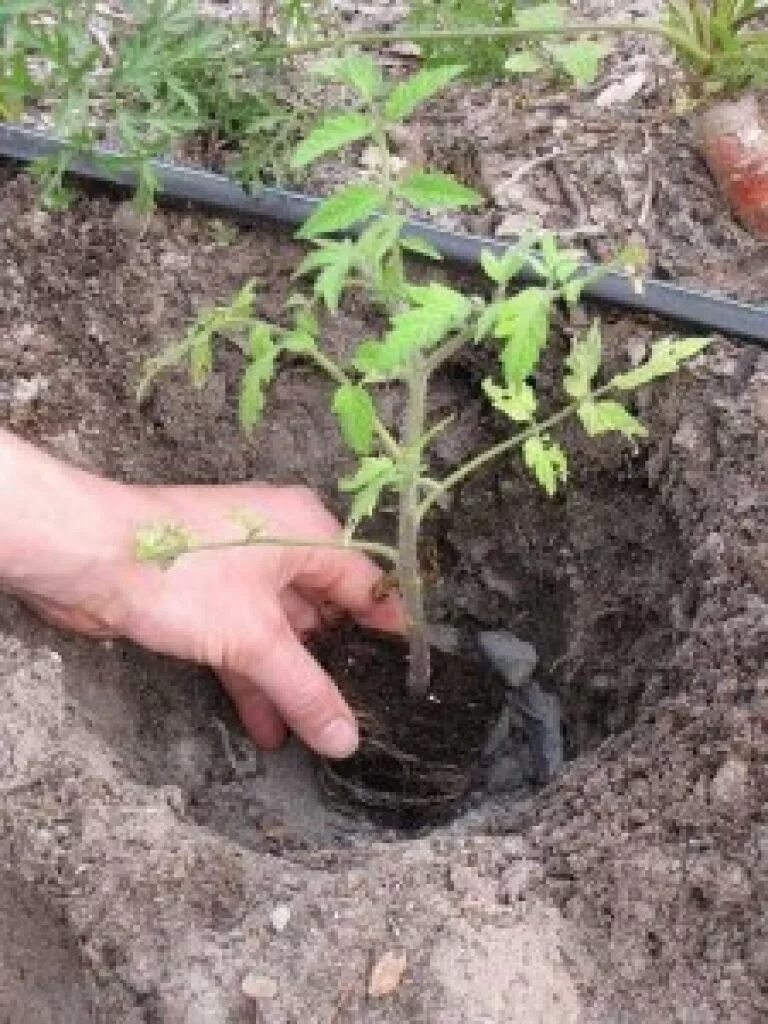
[
  {"x": 304, "y": 696},
  {"x": 302, "y": 614},
  {"x": 259, "y": 717}
]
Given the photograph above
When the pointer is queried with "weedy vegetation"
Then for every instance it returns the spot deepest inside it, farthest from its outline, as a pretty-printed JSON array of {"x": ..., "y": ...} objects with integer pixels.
[
  {"x": 426, "y": 326},
  {"x": 145, "y": 78}
]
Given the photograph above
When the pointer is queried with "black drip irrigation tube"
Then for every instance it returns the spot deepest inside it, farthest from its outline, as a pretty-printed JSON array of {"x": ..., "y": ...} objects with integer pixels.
[{"x": 700, "y": 310}]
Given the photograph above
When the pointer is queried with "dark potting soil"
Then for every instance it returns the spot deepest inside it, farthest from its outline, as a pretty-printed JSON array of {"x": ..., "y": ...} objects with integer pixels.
[{"x": 420, "y": 755}]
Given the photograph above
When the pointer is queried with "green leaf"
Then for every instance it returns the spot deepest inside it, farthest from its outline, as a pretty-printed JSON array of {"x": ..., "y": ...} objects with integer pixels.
[
  {"x": 356, "y": 414},
  {"x": 162, "y": 544},
  {"x": 357, "y": 70},
  {"x": 605, "y": 416},
  {"x": 331, "y": 134},
  {"x": 260, "y": 344},
  {"x": 579, "y": 59},
  {"x": 378, "y": 239},
  {"x": 436, "y": 311},
  {"x": 408, "y": 95},
  {"x": 433, "y": 190},
  {"x": 344, "y": 208},
  {"x": 547, "y": 461},
  {"x": 420, "y": 246},
  {"x": 583, "y": 363},
  {"x": 200, "y": 357},
  {"x": 501, "y": 269},
  {"x": 522, "y": 62},
  {"x": 319, "y": 258},
  {"x": 298, "y": 342},
  {"x": 541, "y": 16},
  {"x": 517, "y": 402},
  {"x": 374, "y": 474},
  {"x": 334, "y": 261},
  {"x": 665, "y": 358},
  {"x": 559, "y": 265},
  {"x": 258, "y": 373},
  {"x": 523, "y": 322}
]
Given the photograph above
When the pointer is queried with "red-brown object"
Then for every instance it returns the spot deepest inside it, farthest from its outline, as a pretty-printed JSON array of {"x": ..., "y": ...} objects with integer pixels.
[{"x": 733, "y": 138}]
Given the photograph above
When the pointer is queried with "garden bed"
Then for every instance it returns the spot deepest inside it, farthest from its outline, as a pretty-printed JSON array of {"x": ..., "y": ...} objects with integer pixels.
[{"x": 145, "y": 847}]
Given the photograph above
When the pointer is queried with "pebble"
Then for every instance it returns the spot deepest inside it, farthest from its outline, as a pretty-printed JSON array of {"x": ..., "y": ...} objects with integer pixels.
[
  {"x": 258, "y": 986},
  {"x": 280, "y": 917}
]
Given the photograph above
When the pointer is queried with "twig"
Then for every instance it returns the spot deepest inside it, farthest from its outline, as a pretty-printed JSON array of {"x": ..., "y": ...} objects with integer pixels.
[
  {"x": 530, "y": 165},
  {"x": 571, "y": 193},
  {"x": 650, "y": 184}
]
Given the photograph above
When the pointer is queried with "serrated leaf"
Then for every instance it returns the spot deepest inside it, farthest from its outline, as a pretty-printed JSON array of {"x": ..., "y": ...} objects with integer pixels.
[
  {"x": 200, "y": 357},
  {"x": 408, "y": 95},
  {"x": 357, "y": 70},
  {"x": 522, "y": 62},
  {"x": 374, "y": 474},
  {"x": 420, "y": 246},
  {"x": 547, "y": 461},
  {"x": 329, "y": 283},
  {"x": 258, "y": 373},
  {"x": 356, "y": 414},
  {"x": 605, "y": 416},
  {"x": 583, "y": 363},
  {"x": 579, "y": 59},
  {"x": 523, "y": 323},
  {"x": 665, "y": 358},
  {"x": 541, "y": 16},
  {"x": 331, "y": 134},
  {"x": 501, "y": 269},
  {"x": 433, "y": 190},
  {"x": 378, "y": 239},
  {"x": 517, "y": 402},
  {"x": 436, "y": 311},
  {"x": 343, "y": 209},
  {"x": 319, "y": 258}
]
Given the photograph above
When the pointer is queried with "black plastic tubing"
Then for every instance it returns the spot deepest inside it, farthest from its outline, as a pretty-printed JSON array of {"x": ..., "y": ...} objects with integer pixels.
[{"x": 698, "y": 310}]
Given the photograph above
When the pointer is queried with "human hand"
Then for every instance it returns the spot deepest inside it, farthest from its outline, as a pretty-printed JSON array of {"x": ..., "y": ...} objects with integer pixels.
[{"x": 241, "y": 611}]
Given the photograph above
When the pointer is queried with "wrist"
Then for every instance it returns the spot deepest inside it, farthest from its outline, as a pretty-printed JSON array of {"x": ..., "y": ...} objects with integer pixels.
[{"x": 66, "y": 535}]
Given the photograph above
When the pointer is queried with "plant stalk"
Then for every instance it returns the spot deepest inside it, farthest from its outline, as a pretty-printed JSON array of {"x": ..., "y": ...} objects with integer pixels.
[
  {"x": 680, "y": 41},
  {"x": 477, "y": 463},
  {"x": 255, "y": 540},
  {"x": 409, "y": 569}
]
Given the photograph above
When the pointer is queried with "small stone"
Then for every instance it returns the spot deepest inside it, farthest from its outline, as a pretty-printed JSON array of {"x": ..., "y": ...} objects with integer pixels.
[
  {"x": 258, "y": 986},
  {"x": 280, "y": 917},
  {"x": 27, "y": 390},
  {"x": 387, "y": 974},
  {"x": 729, "y": 786}
]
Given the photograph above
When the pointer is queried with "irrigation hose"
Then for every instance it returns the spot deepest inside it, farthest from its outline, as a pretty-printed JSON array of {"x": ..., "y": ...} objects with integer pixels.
[{"x": 700, "y": 310}]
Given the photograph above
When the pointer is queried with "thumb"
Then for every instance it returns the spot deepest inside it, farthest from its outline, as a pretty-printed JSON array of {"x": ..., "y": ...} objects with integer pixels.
[{"x": 303, "y": 694}]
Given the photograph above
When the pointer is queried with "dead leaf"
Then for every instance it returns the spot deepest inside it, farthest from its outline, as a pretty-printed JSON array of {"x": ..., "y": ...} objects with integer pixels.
[
  {"x": 621, "y": 91},
  {"x": 387, "y": 974}
]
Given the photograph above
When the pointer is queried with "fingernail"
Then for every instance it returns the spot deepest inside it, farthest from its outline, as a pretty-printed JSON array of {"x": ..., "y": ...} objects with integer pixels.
[{"x": 338, "y": 739}]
